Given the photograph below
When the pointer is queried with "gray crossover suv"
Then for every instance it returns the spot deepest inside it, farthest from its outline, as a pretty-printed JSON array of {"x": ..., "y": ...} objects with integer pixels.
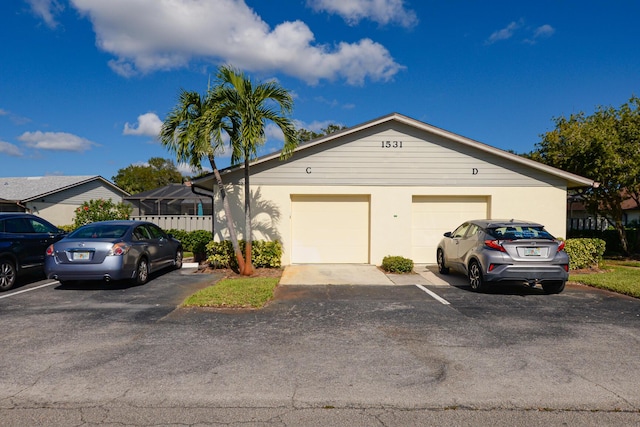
[{"x": 505, "y": 250}]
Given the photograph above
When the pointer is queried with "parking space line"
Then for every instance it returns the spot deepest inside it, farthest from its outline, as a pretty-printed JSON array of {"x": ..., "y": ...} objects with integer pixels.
[
  {"x": 434, "y": 295},
  {"x": 30, "y": 289}
]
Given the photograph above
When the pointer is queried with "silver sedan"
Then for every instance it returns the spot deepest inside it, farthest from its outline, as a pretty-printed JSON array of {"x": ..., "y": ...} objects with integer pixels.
[
  {"x": 112, "y": 250},
  {"x": 505, "y": 250}
]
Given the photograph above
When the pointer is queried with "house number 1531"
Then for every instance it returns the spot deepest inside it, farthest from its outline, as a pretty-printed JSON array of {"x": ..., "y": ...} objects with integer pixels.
[{"x": 391, "y": 144}]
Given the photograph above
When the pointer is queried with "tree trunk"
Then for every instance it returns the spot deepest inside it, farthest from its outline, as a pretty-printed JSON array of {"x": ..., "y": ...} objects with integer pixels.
[
  {"x": 622, "y": 234},
  {"x": 248, "y": 239},
  {"x": 227, "y": 214}
]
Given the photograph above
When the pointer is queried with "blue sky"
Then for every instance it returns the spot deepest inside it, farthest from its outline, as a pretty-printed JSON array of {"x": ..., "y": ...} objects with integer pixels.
[{"x": 85, "y": 84}]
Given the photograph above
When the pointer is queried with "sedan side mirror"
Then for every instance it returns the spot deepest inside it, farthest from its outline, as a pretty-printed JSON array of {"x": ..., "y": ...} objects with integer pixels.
[{"x": 447, "y": 234}]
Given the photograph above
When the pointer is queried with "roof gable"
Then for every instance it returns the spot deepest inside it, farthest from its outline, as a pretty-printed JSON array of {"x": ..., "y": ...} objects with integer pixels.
[
  {"x": 398, "y": 150},
  {"x": 24, "y": 189}
]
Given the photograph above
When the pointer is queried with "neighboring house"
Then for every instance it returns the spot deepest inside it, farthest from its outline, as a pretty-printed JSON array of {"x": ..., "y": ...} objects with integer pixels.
[
  {"x": 55, "y": 198},
  {"x": 174, "y": 206},
  {"x": 391, "y": 186},
  {"x": 172, "y": 199}
]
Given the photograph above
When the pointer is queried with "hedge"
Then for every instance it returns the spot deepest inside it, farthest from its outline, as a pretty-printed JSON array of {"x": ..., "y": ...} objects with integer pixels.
[
  {"x": 264, "y": 254},
  {"x": 584, "y": 253}
]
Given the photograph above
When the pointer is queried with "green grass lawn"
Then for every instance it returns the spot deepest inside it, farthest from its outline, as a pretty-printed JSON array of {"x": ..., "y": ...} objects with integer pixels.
[
  {"x": 617, "y": 276},
  {"x": 249, "y": 292}
]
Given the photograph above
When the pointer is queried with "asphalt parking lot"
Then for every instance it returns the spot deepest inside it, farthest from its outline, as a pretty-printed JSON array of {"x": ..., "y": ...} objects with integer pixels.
[{"x": 318, "y": 355}]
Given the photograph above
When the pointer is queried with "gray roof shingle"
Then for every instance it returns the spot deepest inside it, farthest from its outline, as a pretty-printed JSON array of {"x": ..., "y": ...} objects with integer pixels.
[{"x": 26, "y": 188}]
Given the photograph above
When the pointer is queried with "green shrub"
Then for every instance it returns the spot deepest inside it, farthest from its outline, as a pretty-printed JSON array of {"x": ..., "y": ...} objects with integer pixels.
[
  {"x": 100, "y": 210},
  {"x": 220, "y": 255},
  {"x": 397, "y": 264},
  {"x": 584, "y": 253},
  {"x": 192, "y": 241},
  {"x": 180, "y": 235},
  {"x": 264, "y": 254}
]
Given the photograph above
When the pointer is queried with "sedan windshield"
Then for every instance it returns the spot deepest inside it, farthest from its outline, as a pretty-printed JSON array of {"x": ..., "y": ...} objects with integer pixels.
[
  {"x": 99, "y": 231},
  {"x": 520, "y": 232}
]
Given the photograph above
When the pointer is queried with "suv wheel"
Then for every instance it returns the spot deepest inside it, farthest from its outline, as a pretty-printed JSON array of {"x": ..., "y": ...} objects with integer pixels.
[
  {"x": 8, "y": 274},
  {"x": 475, "y": 276}
]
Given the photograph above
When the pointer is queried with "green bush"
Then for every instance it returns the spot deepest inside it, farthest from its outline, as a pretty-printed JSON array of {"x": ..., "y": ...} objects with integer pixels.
[
  {"x": 264, "y": 254},
  {"x": 397, "y": 264},
  {"x": 192, "y": 241},
  {"x": 584, "y": 253},
  {"x": 100, "y": 210},
  {"x": 180, "y": 235},
  {"x": 220, "y": 255}
]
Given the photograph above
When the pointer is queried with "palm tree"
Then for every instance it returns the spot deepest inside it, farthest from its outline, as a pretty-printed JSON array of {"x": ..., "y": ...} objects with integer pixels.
[
  {"x": 244, "y": 110},
  {"x": 193, "y": 130}
]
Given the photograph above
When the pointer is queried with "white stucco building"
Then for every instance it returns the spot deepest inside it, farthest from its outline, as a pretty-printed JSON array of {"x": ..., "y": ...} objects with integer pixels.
[{"x": 391, "y": 186}]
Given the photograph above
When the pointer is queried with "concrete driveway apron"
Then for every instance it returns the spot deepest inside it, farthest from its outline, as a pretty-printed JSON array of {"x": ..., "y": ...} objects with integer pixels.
[{"x": 357, "y": 274}]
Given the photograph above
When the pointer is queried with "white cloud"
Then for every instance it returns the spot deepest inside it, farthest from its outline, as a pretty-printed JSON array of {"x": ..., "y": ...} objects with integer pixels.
[
  {"x": 381, "y": 11},
  {"x": 542, "y": 32},
  {"x": 59, "y": 141},
  {"x": 503, "y": 34},
  {"x": 47, "y": 10},
  {"x": 149, "y": 124},
  {"x": 9, "y": 149},
  {"x": 150, "y": 35},
  {"x": 187, "y": 170}
]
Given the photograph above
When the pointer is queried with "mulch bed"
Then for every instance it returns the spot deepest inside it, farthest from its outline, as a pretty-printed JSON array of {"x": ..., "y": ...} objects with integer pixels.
[{"x": 232, "y": 274}]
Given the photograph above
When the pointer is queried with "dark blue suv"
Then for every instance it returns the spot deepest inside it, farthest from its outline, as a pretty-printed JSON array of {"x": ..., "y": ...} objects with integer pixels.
[{"x": 24, "y": 238}]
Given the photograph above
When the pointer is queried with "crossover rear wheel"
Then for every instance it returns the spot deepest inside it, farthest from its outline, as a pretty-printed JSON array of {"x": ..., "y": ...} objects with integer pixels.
[
  {"x": 475, "y": 276},
  {"x": 554, "y": 287}
]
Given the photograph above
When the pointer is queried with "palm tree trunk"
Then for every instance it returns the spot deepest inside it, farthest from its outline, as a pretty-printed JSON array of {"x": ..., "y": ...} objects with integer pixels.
[
  {"x": 227, "y": 214},
  {"x": 248, "y": 266}
]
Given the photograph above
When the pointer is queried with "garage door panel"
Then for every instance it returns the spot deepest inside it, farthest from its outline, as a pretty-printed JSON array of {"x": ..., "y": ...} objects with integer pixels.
[
  {"x": 432, "y": 216},
  {"x": 330, "y": 229}
]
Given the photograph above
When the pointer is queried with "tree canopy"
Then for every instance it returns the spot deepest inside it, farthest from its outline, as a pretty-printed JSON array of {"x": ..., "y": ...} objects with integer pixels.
[
  {"x": 308, "y": 135},
  {"x": 234, "y": 106},
  {"x": 158, "y": 172},
  {"x": 605, "y": 147}
]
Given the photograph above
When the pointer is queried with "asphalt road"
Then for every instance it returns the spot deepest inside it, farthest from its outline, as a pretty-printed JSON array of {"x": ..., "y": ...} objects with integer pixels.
[{"x": 318, "y": 355}]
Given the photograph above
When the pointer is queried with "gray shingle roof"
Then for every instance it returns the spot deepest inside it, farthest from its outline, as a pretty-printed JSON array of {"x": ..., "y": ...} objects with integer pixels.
[{"x": 25, "y": 188}]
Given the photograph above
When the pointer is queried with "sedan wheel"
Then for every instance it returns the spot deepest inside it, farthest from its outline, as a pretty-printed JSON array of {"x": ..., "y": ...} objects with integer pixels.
[
  {"x": 475, "y": 276},
  {"x": 177, "y": 261},
  {"x": 142, "y": 272},
  {"x": 8, "y": 275},
  {"x": 440, "y": 258}
]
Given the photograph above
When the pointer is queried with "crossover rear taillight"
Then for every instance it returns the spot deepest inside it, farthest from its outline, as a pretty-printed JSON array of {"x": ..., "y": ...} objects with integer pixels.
[
  {"x": 561, "y": 246},
  {"x": 494, "y": 244},
  {"x": 49, "y": 251}
]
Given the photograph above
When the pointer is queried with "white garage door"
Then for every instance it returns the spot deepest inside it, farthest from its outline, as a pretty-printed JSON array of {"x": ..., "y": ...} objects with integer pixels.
[
  {"x": 330, "y": 229},
  {"x": 432, "y": 216}
]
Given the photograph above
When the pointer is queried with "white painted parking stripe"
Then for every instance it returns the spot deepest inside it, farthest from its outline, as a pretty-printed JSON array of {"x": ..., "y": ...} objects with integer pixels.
[
  {"x": 434, "y": 295},
  {"x": 27, "y": 290}
]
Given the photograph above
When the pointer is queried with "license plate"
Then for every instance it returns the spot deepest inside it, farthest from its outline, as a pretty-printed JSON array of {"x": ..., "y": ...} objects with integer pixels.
[
  {"x": 80, "y": 255},
  {"x": 531, "y": 251}
]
